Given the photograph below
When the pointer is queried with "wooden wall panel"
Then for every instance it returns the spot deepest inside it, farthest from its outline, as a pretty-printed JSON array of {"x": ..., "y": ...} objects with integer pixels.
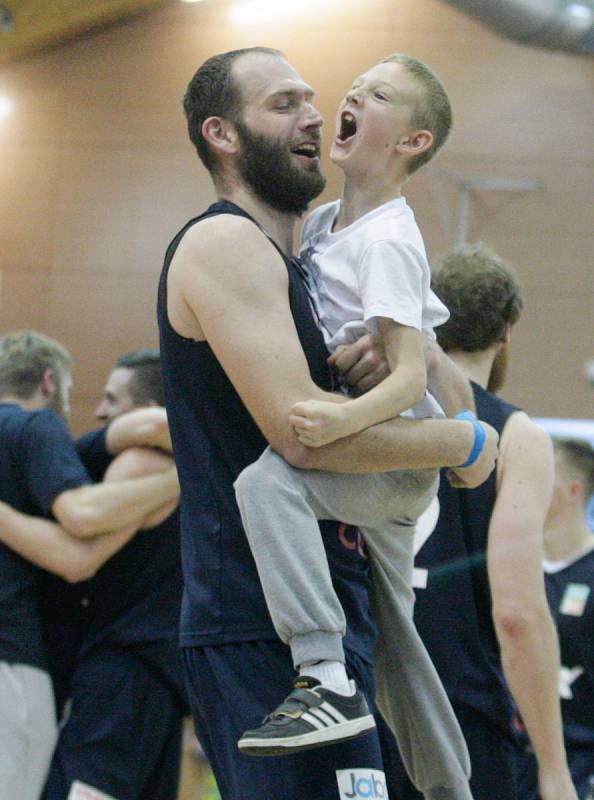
[{"x": 97, "y": 173}]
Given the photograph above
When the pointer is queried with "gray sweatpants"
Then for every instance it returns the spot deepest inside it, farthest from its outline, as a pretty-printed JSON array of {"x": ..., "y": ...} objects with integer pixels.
[
  {"x": 280, "y": 506},
  {"x": 28, "y": 730}
]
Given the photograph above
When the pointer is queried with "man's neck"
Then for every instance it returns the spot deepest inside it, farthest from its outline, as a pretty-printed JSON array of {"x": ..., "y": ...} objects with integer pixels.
[
  {"x": 359, "y": 197},
  {"x": 30, "y": 404},
  {"x": 567, "y": 538},
  {"x": 475, "y": 366},
  {"x": 278, "y": 225}
]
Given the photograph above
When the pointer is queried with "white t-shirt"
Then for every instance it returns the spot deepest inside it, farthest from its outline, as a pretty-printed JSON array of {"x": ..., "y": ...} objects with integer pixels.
[{"x": 376, "y": 267}]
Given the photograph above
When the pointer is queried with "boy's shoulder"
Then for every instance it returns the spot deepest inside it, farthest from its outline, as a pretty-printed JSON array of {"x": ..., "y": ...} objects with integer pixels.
[{"x": 321, "y": 218}]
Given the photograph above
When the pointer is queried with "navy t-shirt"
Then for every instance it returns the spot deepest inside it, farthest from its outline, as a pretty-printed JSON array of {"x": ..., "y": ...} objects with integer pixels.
[
  {"x": 214, "y": 439},
  {"x": 570, "y": 592},
  {"x": 38, "y": 462},
  {"x": 453, "y": 599}
]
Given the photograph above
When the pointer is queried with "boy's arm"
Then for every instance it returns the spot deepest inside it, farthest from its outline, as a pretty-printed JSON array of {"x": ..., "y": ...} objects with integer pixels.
[
  {"x": 244, "y": 315},
  {"x": 318, "y": 423},
  {"x": 524, "y": 626}
]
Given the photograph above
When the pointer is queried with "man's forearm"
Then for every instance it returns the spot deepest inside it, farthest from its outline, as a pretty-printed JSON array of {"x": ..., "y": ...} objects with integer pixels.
[
  {"x": 101, "y": 508},
  {"x": 50, "y": 547},
  {"x": 393, "y": 445},
  {"x": 143, "y": 427},
  {"x": 447, "y": 382},
  {"x": 530, "y": 657}
]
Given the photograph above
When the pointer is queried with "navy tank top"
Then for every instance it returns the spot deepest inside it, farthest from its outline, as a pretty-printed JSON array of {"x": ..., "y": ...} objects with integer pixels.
[
  {"x": 453, "y": 611},
  {"x": 214, "y": 439}
]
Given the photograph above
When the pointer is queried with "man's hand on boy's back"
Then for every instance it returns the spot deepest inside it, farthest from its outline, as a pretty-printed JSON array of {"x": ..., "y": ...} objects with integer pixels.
[{"x": 362, "y": 364}]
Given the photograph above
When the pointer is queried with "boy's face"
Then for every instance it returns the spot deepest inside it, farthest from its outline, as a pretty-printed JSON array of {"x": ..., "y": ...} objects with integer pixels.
[{"x": 374, "y": 118}]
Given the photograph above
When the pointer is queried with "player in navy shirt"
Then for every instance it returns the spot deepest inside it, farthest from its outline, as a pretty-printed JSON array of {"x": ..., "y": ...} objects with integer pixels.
[
  {"x": 41, "y": 474},
  {"x": 480, "y": 601},
  {"x": 128, "y": 628},
  {"x": 569, "y": 578},
  {"x": 239, "y": 346}
]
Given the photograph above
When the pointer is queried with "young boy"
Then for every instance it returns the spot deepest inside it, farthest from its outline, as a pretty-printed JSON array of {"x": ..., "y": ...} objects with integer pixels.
[{"x": 365, "y": 256}]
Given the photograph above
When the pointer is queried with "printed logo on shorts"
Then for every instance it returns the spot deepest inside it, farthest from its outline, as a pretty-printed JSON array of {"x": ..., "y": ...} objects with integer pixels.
[
  {"x": 82, "y": 791},
  {"x": 574, "y": 600},
  {"x": 361, "y": 784}
]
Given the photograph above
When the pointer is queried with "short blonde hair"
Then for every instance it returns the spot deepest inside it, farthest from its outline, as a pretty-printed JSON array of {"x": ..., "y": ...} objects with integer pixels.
[
  {"x": 432, "y": 110},
  {"x": 24, "y": 358}
]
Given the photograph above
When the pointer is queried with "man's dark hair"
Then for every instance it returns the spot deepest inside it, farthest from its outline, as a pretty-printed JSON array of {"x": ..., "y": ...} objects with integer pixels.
[
  {"x": 145, "y": 382},
  {"x": 578, "y": 457},
  {"x": 213, "y": 92},
  {"x": 482, "y": 294}
]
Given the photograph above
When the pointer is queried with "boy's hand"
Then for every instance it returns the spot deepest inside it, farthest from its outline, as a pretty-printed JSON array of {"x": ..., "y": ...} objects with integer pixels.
[
  {"x": 317, "y": 422},
  {"x": 362, "y": 364},
  {"x": 556, "y": 785},
  {"x": 470, "y": 477}
]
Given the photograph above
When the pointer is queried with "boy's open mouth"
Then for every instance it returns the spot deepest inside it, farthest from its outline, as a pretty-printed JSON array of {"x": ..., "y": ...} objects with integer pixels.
[{"x": 348, "y": 127}]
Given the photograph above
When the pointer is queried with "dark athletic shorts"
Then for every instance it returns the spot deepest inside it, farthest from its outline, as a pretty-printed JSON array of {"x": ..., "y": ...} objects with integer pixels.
[
  {"x": 123, "y": 733},
  {"x": 232, "y": 688}
]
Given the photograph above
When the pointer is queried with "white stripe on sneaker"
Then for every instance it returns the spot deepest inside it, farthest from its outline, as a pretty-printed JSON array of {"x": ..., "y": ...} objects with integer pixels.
[
  {"x": 311, "y": 718},
  {"x": 334, "y": 712}
]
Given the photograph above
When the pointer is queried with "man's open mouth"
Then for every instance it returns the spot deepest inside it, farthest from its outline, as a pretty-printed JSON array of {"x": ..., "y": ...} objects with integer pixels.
[
  {"x": 348, "y": 127},
  {"x": 307, "y": 149}
]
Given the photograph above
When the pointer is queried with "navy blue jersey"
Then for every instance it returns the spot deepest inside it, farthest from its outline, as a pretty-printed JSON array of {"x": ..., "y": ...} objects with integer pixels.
[
  {"x": 136, "y": 595},
  {"x": 453, "y": 611},
  {"x": 38, "y": 462},
  {"x": 214, "y": 438},
  {"x": 570, "y": 592}
]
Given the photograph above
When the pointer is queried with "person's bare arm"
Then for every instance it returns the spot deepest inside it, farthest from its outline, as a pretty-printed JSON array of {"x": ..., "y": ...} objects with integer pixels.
[
  {"x": 317, "y": 423},
  {"x": 242, "y": 309},
  {"x": 105, "y": 507},
  {"x": 143, "y": 427},
  {"x": 50, "y": 547},
  {"x": 136, "y": 462},
  {"x": 446, "y": 381},
  {"x": 524, "y": 626}
]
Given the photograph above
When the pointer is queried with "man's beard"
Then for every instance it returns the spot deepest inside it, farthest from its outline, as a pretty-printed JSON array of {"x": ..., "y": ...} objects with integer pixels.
[
  {"x": 498, "y": 370},
  {"x": 266, "y": 167}
]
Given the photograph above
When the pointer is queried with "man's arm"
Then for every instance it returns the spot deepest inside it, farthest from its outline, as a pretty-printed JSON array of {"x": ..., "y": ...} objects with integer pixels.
[
  {"x": 50, "y": 547},
  {"x": 524, "y": 626},
  {"x": 106, "y": 507},
  {"x": 446, "y": 381},
  {"x": 242, "y": 310},
  {"x": 143, "y": 427}
]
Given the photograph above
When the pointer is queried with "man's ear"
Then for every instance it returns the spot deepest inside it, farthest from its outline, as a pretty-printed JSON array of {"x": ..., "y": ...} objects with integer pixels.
[
  {"x": 415, "y": 143},
  {"x": 48, "y": 383},
  {"x": 220, "y": 134}
]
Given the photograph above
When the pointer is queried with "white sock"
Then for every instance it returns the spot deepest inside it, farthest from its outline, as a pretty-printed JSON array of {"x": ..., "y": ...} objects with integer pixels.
[{"x": 331, "y": 674}]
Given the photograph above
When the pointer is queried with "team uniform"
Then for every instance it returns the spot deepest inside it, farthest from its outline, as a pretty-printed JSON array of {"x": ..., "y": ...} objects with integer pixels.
[
  {"x": 236, "y": 666},
  {"x": 122, "y": 728},
  {"x": 375, "y": 267},
  {"x": 38, "y": 462},
  {"x": 453, "y": 617},
  {"x": 570, "y": 592}
]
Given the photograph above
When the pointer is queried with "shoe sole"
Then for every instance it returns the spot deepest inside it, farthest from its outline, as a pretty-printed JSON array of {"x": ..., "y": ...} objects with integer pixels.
[{"x": 284, "y": 746}]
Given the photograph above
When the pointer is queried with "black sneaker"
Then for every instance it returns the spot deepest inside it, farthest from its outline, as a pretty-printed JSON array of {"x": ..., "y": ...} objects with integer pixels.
[{"x": 310, "y": 716}]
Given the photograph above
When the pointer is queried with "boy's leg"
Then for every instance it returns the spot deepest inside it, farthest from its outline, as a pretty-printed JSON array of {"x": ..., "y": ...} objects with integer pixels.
[{"x": 233, "y": 687}]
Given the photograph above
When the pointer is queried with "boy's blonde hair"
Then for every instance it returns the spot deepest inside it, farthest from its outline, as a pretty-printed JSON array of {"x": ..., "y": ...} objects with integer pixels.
[
  {"x": 25, "y": 356},
  {"x": 432, "y": 110}
]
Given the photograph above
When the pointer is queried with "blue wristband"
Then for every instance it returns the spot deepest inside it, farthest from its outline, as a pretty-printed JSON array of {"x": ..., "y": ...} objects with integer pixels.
[{"x": 480, "y": 437}]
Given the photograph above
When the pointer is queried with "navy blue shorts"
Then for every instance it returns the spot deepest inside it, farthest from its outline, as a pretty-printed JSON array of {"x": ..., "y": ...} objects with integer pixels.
[
  {"x": 493, "y": 759},
  {"x": 232, "y": 688},
  {"x": 123, "y": 734}
]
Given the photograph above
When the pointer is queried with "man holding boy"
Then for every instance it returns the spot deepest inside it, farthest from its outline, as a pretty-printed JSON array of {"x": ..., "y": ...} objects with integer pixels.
[{"x": 239, "y": 348}]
